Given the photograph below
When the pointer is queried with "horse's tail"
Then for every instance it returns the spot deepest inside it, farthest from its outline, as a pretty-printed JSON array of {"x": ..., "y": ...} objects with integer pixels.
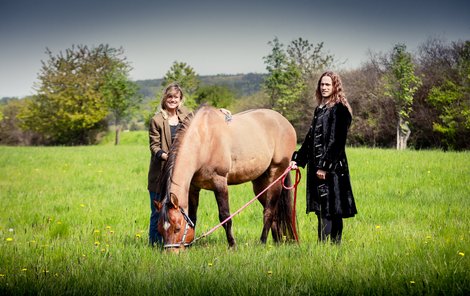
[{"x": 285, "y": 223}]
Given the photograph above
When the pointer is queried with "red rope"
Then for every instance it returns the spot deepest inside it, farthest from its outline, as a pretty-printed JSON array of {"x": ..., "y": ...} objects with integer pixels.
[{"x": 283, "y": 176}]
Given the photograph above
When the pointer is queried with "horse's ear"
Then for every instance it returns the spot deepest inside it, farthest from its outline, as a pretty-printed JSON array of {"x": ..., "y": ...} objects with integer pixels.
[
  {"x": 174, "y": 200},
  {"x": 158, "y": 205}
]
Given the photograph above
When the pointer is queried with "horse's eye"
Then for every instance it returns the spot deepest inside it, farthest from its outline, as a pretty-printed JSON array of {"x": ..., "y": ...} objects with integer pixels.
[{"x": 177, "y": 228}]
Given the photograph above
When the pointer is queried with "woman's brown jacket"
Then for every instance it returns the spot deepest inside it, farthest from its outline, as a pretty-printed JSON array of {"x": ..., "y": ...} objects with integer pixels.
[{"x": 160, "y": 140}]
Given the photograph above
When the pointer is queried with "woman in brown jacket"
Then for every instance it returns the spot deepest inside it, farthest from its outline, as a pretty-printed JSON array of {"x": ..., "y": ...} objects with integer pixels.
[{"x": 162, "y": 131}]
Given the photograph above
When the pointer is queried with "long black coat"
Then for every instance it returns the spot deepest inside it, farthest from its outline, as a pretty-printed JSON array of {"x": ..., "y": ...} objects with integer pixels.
[{"x": 324, "y": 148}]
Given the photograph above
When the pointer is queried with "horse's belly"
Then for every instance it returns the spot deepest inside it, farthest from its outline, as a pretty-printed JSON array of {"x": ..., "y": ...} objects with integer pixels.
[{"x": 247, "y": 170}]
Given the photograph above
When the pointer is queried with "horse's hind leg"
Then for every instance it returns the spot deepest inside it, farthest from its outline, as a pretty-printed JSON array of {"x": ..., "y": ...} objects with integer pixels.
[
  {"x": 268, "y": 200},
  {"x": 270, "y": 221},
  {"x": 267, "y": 221},
  {"x": 273, "y": 194}
]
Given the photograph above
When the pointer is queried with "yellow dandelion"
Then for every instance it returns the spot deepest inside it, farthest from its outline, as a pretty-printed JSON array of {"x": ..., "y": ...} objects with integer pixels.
[
  {"x": 461, "y": 254},
  {"x": 33, "y": 241},
  {"x": 428, "y": 237},
  {"x": 83, "y": 255},
  {"x": 412, "y": 282},
  {"x": 2, "y": 275},
  {"x": 270, "y": 272},
  {"x": 59, "y": 222},
  {"x": 137, "y": 235},
  {"x": 112, "y": 231},
  {"x": 9, "y": 239},
  {"x": 209, "y": 264},
  {"x": 96, "y": 231},
  {"x": 377, "y": 226},
  {"x": 82, "y": 205},
  {"x": 103, "y": 250},
  {"x": 108, "y": 227},
  {"x": 97, "y": 243},
  {"x": 24, "y": 269}
]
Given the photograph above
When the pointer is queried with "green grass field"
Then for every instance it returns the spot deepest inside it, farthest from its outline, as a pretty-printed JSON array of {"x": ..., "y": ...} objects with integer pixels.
[{"x": 74, "y": 220}]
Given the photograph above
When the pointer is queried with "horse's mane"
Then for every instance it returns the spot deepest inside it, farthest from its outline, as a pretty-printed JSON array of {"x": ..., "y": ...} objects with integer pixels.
[{"x": 167, "y": 174}]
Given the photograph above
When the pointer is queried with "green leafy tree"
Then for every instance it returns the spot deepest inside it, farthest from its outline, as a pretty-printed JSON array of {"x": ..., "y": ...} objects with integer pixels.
[
  {"x": 291, "y": 74},
  {"x": 186, "y": 77},
  {"x": 214, "y": 95},
  {"x": 309, "y": 58},
  {"x": 452, "y": 99},
  {"x": 11, "y": 132},
  {"x": 401, "y": 84},
  {"x": 121, "y": 97},
  {"x": 284, "y": 82},
  {"x": 70, "y": 107}
]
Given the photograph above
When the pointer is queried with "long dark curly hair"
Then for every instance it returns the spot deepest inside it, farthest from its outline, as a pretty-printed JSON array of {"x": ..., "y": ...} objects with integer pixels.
[{"x": 338, "y": 95}]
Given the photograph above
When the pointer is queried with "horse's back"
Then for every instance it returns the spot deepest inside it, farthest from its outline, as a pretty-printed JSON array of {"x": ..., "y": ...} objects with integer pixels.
[
  {"x": 260, "y": 139},
  {"x": 263, "y": 126}
]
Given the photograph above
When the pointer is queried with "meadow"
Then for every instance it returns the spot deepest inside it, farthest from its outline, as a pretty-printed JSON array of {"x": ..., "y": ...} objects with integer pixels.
[{"x": 74, "y": 220}]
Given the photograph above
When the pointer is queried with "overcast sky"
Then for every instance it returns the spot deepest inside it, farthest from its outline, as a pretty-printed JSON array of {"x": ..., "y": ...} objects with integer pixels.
[{"x": 214, "y": 36}]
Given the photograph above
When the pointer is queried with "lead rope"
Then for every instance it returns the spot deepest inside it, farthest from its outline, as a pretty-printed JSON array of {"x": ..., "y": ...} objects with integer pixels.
[{"x": 283, "y": 176}]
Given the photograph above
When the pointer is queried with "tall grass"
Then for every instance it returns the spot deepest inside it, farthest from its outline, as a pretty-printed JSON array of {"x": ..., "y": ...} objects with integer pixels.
[{"x": 74, "y": 220}]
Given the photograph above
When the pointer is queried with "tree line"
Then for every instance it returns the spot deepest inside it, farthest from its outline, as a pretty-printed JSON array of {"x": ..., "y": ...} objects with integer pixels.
[
  {"x": 399, "y": 99},
  {"x": 423, "y": 97}
]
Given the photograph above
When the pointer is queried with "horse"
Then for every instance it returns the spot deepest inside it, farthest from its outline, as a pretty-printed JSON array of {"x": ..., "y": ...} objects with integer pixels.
[{"x": 212, "y": 150}]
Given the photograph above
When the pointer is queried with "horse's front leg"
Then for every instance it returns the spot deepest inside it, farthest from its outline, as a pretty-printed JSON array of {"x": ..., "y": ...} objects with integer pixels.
[
  {"x": 193, "y": 203},
  {"x": 221, "y": 195}
]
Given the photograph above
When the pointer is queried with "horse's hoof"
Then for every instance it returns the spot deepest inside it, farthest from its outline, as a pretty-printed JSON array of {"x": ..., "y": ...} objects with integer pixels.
[{"x": 232, "y": 245}]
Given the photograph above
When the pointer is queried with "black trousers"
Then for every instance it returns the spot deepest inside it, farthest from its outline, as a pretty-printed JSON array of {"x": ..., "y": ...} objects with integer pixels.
[{"x": 331, "y": 228}]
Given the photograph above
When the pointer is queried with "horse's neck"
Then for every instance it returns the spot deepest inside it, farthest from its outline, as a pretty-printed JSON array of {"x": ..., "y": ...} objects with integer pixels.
[
  {"x": 186, "y": 165},
  {"x": 182, "y": 192},
  {"x": 181, "y": 181}
]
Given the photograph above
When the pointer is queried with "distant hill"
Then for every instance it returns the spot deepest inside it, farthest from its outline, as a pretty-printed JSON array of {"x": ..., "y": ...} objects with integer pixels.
[{"x": 241, "y": 84}]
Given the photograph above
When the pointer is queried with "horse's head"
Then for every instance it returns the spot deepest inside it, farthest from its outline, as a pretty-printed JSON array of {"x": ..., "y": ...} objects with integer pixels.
[{"x": 174, "y": 225}]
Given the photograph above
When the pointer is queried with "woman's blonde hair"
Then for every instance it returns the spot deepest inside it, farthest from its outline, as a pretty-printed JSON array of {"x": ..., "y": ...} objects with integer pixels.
[{"x": 172, "y": 87}]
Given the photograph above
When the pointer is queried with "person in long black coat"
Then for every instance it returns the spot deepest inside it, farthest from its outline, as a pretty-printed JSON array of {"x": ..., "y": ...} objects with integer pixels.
[{"x": 329, "y": 192}]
